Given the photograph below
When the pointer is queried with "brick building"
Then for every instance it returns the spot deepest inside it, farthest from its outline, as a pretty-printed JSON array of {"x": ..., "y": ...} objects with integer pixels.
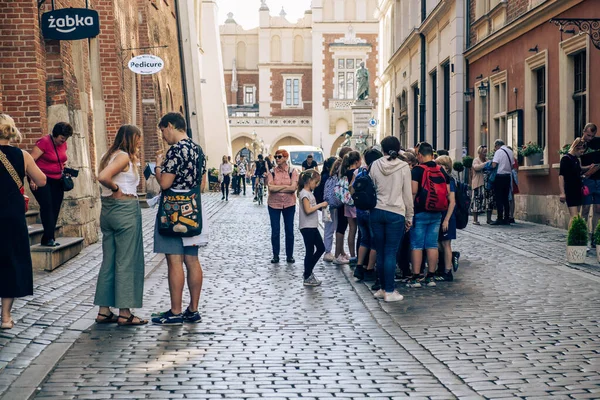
[
  {"x": 88, "y": 84},
  {"x": 294, "y": 83},
  {"x": 535, "y": 82}
]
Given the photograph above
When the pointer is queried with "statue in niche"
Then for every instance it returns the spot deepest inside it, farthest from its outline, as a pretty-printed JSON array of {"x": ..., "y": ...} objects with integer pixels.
[{"x": 362, "y": 81}]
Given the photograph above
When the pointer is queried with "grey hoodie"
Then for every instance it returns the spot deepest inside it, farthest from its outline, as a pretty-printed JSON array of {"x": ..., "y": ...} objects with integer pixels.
[{"x": 394, "y": 188}]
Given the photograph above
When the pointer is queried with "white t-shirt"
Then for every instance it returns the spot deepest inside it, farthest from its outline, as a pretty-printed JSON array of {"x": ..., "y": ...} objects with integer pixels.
[
  {"x": 307, "y": 220},
  {"x": 505, "y": 160}
]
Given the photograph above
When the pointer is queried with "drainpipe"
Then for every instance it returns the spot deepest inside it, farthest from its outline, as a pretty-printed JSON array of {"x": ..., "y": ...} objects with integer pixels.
[
  {"x": 186, "y": 105},
  {"x": 423, "y": 88},
  {"x": 468, "y": 44}
]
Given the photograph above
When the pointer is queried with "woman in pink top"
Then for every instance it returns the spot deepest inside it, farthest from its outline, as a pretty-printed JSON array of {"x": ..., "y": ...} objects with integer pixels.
[
  {"x": 282, "y": 183},
  {"x": 50, "y": 155}
]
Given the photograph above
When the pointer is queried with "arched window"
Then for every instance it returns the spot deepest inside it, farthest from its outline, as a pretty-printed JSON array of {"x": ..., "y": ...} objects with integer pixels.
[
  {"x": 240, "y": 55},
  {"x": 275, "y": 49},
  {"x": 298, "y": 49}
]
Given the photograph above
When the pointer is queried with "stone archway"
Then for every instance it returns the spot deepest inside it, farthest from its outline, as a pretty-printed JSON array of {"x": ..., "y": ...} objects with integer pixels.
[
  {"x": 239, "y": 143},
  {"x": 285, "y": 141},
  {"x": 337, "y": 144}
]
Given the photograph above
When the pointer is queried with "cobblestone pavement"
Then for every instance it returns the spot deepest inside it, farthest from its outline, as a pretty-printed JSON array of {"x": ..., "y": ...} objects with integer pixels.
[{"x": 515, "y": 323}]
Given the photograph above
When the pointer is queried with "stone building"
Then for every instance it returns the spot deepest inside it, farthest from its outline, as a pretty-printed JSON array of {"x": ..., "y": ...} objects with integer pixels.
[
  {"x": 87, "y": 83},
  {"x": 422, "y": 72},
  {"x": 531, "y": 82},
  {"x": 294, "y": 83}
]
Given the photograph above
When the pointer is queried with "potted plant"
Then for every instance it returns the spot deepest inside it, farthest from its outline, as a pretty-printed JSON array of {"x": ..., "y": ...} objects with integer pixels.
[
  {"x": 468, "y": 164},
  {"x": 577, "y": 239},
  {"x": 596, "y": 239},
  {"x": 458, "y": 167},
  {"x": 532, "y": 152}
]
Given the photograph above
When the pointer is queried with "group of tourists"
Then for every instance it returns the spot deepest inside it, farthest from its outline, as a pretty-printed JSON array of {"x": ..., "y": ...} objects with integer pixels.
[
  {"x": 120, "y": 283},
  {"x": 237, "y": 173}
]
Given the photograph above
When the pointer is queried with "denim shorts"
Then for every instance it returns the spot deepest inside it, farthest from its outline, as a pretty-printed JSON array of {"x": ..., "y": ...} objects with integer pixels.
[
  {"x": 424, "y": 231},
  {"x": 594, "y": 196}
]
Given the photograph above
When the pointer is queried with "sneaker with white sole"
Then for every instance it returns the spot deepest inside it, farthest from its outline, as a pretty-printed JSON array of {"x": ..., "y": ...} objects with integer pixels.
[
  {"x": 328, "y": 257},
  {"x": 340, "y": 261},
  {"x": 379, "y": 294},
  {"x": 428, "y": 281},
  {"x": 391, "y": 297},
  {"x": 413, "y": 283},
  {"x": 312, "y": 281}
]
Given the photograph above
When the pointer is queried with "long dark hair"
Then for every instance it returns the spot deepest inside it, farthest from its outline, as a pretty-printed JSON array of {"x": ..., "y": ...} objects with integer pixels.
[
  {"x": 328, "y": 164},
  {"x": 125, "y": 140},
  {"x": 391, "y": 146},
  {"x": 349, "y": 159},
  {"x": 305, "y": 177}
]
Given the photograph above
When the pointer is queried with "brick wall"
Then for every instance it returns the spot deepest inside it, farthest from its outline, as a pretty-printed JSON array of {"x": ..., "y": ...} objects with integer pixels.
[
  {"x": 516, "y": 8},
  {"x": 243, "y": 79},
  {"x": 329, "y": 65},
  {"x": 277, "y": 92}
]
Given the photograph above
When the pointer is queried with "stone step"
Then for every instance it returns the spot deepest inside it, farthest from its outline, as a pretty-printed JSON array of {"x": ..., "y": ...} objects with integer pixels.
[
  {"x": 36, "y": 231},
  {"x": 50, "y": 258},
  {"x": 33, "y": 217}
]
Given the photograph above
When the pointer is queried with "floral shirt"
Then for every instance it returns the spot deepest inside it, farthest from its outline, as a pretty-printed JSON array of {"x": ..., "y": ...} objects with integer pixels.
[{"x": 182, "y": 161}]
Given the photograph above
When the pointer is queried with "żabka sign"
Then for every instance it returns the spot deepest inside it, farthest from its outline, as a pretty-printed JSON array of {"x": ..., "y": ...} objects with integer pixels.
[
  {"x": 70, "y": 24},
  {"x": 146, "y": 64}
]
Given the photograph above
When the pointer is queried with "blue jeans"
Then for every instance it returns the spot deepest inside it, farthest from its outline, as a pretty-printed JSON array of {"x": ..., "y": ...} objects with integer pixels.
[
  {"x": 288, "y": 222},
  {"x": 387, "y": 229},
  {"x": 425, "y": 230},
  {"x": 365, "y": 230}
]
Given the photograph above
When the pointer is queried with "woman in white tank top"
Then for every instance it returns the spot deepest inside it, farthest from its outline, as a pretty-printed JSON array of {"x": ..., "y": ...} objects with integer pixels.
[{"x": 121, "y": 277}]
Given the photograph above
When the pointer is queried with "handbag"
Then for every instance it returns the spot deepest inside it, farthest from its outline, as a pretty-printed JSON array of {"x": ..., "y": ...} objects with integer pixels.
[
  {"x": 15, "y": 176},
  {"x": 66, "y": 180},
  {"x": 180, "y": 211}
]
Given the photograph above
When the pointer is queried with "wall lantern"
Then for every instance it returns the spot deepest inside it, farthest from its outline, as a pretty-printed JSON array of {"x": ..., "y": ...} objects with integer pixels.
[
  {"x": 483, "y": 89},
  {"x": 469, "y": 95}
]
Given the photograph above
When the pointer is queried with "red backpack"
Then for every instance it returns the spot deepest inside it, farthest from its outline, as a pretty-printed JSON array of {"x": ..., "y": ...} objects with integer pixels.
[{"x": 434, "y": 190}]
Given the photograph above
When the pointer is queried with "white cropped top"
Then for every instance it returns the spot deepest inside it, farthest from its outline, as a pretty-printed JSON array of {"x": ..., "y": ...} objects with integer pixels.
[{"x": 128, "y": 181}]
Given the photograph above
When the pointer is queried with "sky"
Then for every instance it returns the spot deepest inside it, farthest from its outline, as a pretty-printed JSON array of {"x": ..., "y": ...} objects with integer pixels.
[{"x": 245, "y": 12}]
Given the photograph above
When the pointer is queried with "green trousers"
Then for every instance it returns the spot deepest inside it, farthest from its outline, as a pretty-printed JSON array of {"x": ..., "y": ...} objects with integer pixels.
[{"x": 121, "y": 277}]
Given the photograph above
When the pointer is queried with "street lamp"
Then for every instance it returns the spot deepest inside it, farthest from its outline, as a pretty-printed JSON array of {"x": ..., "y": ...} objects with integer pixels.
[{"x": 469, "y": 95}]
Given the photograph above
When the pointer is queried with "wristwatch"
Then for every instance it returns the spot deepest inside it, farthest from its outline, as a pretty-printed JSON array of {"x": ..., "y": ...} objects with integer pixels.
[{"x": 115, "y": 190}]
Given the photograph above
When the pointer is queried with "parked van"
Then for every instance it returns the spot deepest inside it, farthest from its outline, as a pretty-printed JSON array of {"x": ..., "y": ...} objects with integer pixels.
[{"x": 298, "y": 155}]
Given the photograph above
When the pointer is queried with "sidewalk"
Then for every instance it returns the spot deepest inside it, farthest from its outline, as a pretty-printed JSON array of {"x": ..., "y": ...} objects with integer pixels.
[{"x": 62, "y": 305}]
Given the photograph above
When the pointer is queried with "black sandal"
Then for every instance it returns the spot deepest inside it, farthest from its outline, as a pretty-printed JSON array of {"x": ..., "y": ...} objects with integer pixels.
[
  {"x": 129, "y": 321},
  {"x": 108, "y": 319}
]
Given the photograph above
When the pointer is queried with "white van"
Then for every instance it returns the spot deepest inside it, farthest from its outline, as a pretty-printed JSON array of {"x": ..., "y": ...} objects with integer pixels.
[{"x": 298, "y": 155}]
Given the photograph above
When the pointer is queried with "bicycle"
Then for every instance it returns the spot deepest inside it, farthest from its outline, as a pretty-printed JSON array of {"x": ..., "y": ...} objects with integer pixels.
[{"x": 259, "y": 190}]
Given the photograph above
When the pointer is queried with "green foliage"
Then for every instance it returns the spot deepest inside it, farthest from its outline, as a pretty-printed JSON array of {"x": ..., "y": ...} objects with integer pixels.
[
  {"x": 564, "y": 150},
  {"x": 530, "y": 149},
  {"x": 458, "y": 166},
  {"x": 467, "y": 161},
  {"x": 578, "y": 233},
  {"x": 597, "y": 233}
]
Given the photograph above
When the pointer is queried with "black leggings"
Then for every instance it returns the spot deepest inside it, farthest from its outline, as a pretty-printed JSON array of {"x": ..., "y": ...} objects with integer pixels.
[
  {"x": 225, "y": 186},
  {"x": 342, "y": 222},
  {"x": 313, "y": 242},
  {"x": 50, "y": 199}
]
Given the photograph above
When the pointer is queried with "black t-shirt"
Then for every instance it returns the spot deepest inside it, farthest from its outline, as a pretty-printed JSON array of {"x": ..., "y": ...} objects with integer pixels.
[
  {"x": 570, "y": 169},
  {"x": 417, "y": 176},
  {"x": 305, "y": 165},
  {"x": 261, "y": 168},
  {"x": 592, "y": 157}
]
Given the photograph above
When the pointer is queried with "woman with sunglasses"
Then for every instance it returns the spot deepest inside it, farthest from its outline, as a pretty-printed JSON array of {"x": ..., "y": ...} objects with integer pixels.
[
  {"x": 282, "y": 183},
  {"x": 483, "y": 199}
]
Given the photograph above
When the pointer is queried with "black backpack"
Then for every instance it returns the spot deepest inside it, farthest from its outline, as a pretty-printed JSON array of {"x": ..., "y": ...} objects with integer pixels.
[
  {"x": 463, "y": 204},
  {"x": 365, "y": 194}
]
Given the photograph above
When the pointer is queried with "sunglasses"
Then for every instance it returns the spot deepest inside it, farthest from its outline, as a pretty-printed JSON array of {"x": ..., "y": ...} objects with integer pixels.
[{"x": 278, "y": 156}]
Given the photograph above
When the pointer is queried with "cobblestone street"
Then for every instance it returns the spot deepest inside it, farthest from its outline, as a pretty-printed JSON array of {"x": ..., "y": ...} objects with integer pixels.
[{"x": 516, "y": 323}]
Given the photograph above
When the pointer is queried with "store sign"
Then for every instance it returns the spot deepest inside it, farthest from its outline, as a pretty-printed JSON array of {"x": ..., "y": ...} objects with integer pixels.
[
  {"x": 70, "y": 24},
  {"x": 146, "y": 64}
]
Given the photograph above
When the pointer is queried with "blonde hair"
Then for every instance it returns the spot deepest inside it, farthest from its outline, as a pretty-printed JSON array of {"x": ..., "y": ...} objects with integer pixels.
[
  {"x": 445, "y": 161},
  {"x": 8, "y": 129},
  {"x": 307, "y": 176}
]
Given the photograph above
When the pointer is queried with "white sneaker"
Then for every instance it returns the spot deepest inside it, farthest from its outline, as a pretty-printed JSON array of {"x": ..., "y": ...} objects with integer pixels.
[
  {"x": 328, "y": 257},
  {"x": 394, "y": 296},
  {"x": 379, "y": 294},
  {"x": 340, "y": 260},
  {"x": 346, "y": 257}
]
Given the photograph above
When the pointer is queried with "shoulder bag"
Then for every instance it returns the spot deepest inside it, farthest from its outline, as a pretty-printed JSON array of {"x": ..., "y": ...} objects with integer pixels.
[
  {"x": 180, "y": 211},
  {"x": 11, "y": 171},
  {"x": 66, "y": 180}
]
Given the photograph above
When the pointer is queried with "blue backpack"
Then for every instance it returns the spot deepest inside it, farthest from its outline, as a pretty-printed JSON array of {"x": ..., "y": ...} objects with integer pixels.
[
  {"x": 365, "y": 194},
  {"x": 329, "y": 192}
]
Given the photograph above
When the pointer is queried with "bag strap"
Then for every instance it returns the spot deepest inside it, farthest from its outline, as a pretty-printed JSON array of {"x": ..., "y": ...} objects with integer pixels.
[
  {"x": 10, "y": 169},
  {"x": 506, "y": 152},
  {"x": 56, "y": 151}
]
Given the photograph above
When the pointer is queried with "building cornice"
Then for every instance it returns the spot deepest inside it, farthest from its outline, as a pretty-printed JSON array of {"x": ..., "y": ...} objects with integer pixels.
[
  {"x": 410, "y": 41},
  {"x": 523, "y": 24},
  {"x": 435, "y": 16}
]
